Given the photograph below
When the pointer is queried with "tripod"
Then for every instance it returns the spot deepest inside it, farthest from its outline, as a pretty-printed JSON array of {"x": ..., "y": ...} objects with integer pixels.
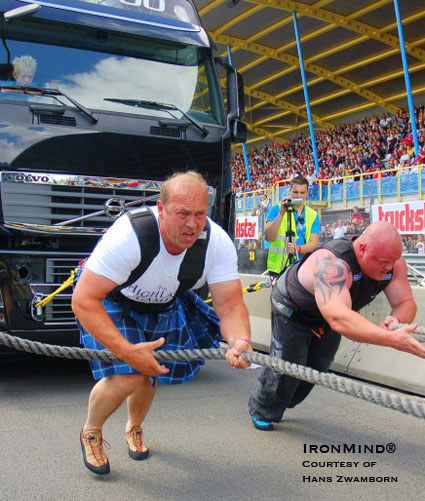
[{"x": 289, "y": 257}]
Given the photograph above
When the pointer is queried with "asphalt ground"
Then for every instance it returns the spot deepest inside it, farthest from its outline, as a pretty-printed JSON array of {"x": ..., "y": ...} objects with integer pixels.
[{"x": 202, "y": 443}]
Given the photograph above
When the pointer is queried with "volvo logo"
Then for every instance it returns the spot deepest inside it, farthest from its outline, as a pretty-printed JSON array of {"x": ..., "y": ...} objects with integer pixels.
[
  {"x": 114, "y": 207},
  {"x": 27, "y": 178}
]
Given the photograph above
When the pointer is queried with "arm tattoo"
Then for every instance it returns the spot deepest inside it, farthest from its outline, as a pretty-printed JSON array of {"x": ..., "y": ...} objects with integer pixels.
[{"x": 329, "y": 276}]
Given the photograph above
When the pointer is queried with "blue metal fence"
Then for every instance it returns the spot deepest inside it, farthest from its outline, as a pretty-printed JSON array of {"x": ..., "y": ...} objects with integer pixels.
[{"x": 401, "y": 184}]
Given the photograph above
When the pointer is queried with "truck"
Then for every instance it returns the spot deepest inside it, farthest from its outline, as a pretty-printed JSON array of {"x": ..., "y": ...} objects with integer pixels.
[{"x": 100, "y": 101}]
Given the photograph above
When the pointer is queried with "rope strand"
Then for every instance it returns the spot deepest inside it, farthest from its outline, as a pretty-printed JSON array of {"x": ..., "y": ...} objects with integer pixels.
[{"x": 408, "y": 405}]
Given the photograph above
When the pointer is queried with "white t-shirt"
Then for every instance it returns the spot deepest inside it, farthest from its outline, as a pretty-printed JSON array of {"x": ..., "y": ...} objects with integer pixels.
[
  {"x": 421, "y": 247},
  {"x": 118, "y": 253},
  {"x": 339, "y": 231}
]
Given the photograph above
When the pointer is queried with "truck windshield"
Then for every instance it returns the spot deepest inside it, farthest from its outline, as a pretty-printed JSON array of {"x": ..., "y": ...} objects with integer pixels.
[
  {"x": 182, "y": 10},
  {"x": 93, "y": 66}
]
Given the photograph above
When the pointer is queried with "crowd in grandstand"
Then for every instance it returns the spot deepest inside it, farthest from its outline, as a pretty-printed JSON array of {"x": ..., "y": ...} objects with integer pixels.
[{"x": 373, "y": 146}]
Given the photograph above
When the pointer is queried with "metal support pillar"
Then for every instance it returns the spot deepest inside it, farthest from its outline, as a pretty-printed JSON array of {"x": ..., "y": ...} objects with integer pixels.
[
  {"x": 306, "y": 98},
  {"x": 407, "y": 78}
]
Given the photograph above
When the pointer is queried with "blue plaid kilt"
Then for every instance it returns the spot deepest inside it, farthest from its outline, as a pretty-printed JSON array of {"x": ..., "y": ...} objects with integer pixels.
[{"x": 188, "y": 324}]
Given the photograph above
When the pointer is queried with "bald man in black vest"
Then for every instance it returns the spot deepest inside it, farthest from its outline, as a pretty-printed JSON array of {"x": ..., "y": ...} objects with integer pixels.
[{"x": 317, "y": 300}]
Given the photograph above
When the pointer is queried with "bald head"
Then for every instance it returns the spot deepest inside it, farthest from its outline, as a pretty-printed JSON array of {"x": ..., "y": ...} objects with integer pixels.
[
  {"x": 382, "y": 237},
  {"x": 182, "y": 183},
  {"x": 378, "y": 249}
]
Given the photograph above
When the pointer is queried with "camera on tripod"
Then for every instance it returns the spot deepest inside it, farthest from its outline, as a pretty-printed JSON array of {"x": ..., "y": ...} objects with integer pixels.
[{"x": 290, "y": 202}]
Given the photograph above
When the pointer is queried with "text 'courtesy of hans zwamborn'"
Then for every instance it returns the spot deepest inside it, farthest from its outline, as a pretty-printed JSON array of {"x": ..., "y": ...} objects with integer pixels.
[{"x": 363, "y": 466}]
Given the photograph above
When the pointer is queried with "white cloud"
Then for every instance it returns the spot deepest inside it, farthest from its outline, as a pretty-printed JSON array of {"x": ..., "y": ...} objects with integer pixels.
[
  {"x": 15, "y": 139},
  {"x": 128, "y": 78}
]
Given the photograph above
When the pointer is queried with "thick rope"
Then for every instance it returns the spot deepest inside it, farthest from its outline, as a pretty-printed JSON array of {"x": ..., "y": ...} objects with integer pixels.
[
  {"x": 391, "y": 400},
  {"x": 418, "y": 334}
]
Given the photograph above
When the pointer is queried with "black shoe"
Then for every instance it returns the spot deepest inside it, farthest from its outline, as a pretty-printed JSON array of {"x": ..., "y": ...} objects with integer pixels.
[
  {"x": 94, "y": 456},
  {"x": 262, "y": 424}
]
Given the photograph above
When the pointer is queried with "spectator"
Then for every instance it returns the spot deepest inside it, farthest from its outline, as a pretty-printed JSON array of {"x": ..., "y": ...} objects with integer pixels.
[
  {"x": 326, "y": 233},
  {"x": 356, "y": 216},
  {"x": 339, "y": 230},
  {"x": 361, "y": 226},
  {"x": 405, "y": 157},
  {"x": 420, "y": 160},
  {"x": 420, "y": 244},
  {"x": 351, "y": 229}
]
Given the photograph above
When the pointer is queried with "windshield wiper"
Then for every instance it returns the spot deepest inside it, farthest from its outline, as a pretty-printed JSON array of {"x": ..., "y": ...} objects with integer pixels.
[
  {"x": 37, "y": 91},
  {"x": 154, "y": 105}
]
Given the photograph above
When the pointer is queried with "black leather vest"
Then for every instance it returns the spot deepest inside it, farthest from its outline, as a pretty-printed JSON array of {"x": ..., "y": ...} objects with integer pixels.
[{"x": 290, "y": 292}]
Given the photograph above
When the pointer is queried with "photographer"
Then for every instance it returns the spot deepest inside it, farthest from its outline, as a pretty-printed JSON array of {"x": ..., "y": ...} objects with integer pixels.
[{"x": 292, "y": 228}]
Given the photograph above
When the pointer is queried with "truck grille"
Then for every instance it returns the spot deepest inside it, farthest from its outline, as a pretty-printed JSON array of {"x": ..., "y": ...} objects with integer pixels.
[{"x": 50, "y": 200}]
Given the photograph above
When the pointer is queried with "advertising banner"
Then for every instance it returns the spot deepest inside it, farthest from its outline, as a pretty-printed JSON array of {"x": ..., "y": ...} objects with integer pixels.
[
  {"x": 246, "y": 227},
  {"x": 407, "y": 217}
]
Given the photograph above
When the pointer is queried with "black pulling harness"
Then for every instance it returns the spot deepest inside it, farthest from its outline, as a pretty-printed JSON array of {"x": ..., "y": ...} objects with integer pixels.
[{"x": 146, "y": 228}]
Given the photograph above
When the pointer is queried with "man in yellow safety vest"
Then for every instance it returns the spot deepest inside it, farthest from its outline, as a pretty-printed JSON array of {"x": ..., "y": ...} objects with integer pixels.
[{"x": 292, "y": 228}]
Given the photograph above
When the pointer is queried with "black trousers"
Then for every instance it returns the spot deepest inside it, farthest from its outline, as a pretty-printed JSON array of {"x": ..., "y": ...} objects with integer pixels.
[{"x": 295, "y": 343}]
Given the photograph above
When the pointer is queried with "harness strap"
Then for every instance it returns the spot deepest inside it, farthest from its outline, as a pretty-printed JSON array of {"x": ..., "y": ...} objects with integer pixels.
[
  {"x": 191, "y": 269},
  {"x": 145, "y": 226},
  {"x": 193, "y": 262}
]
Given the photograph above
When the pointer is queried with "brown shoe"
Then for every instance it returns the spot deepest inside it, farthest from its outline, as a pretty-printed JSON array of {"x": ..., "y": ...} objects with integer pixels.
[
  {"x": 136, "y": 448},
  {"x": 94, "y": 456}
]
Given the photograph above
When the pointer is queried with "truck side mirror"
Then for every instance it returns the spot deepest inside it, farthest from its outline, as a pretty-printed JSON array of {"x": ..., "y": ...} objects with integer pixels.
[
  {"x": 235, "y": 90},
  {"x": 235, "y": 94},
  {"x": 235, "y": 101},
  {"x": 239, "y": 131}
]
